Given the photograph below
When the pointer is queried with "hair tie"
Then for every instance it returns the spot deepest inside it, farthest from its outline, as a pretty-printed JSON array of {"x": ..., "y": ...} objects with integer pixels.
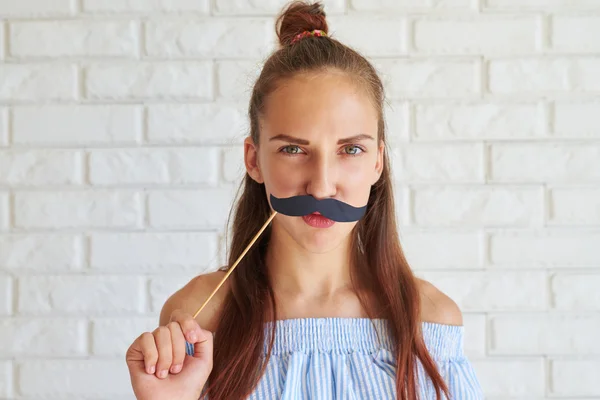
[{"x": 316, "y": 32}]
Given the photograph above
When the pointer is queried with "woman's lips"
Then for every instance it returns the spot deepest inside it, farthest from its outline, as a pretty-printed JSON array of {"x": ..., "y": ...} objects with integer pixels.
[{"x": 316, "y": 220}]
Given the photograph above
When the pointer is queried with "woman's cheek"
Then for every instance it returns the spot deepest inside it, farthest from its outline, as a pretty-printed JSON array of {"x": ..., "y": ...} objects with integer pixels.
[{"x": 281, "y": 182}]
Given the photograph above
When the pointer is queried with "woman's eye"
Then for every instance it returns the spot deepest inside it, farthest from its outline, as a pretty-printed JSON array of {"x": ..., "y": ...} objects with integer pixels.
[
  {"x": 291, "y": 149},
  {"x": 353, "y": 150}
]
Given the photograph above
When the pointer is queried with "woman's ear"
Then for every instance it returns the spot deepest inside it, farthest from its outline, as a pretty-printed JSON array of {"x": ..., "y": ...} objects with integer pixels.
[
  {"x": 379, "y": 163},
  {"x": 251, "y": 160}
]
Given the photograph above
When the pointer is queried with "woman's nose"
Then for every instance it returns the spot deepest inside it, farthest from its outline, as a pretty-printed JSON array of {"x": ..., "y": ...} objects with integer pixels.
[{"x": 322, "y": 181}]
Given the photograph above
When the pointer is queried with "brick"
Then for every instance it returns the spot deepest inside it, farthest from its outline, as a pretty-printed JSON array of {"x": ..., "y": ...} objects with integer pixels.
[
  {"x": 539, "y": 4},
  {"x": 72, "y": 38},
  {"x": 35, "y": 8},
  {"x": 4, "y": 134},
  {"x": 79, "y": 378},
  {"x": 249, "y": 7},
  {"x": 402, "y": 205},
  {"x": 397, "y": 120},
  {"x": 416, "y": 78},
  {"x": 220, "y": 38},
  {"x": 523, "y": 377},
  {"x": 41, "y": 252},
  {"x": 221, "y": 258},
  {"x": 77, "y": 124},
  {"x": 575, "y": 33},
  {"x": 456, "y": 249},
  {"x": 528, "y": 334},
  {"x": 203, "y": 209},
  {"x": 173, "y": 79},
  {"x": 475, "y": 336},
  {"x": 3, "y": 40},
  {"x": 575, "y": 292},
  {"x": 31, "y": 337},
  {"x": 97, "y": 209},
  {"x": 96, "y": 295},
  {"x": 6, "y": 295},
  {"x": 579, "y": 206},
  {"x": 538, "y": 76},
  {"x": 419, "y": 162},
  {"x": 146, "y": 6},
  {"x": 577, "y": 119},
  {"x": 477, "y": 291},
  {"x": 477, "y": 206},
  {"x": 113, "y": 336},
  {"x": 545, "y": 162},
  {"x": 6, "y": 379},
  {"x": 196, "y": 123},
  {"x": 233, "y": 168},
  {"x": 40, "y": 167},
  {"x": 574, "y": 377},
  {"x": 152, "y": 252},
  {"x": 545, "y": 249},
  {"x": 235, "y": 79},
  {"x": 409, "y": 5},
  {"x": 154, "y": 166},
  {"x": 479, "y": 121},
  {"x": 5, "y": 215},
  {"x": 481, "y": 35},
  {"x": 362, "y": 34},
  {"x": 163, "y": 287},
  {"x": 37, "y": 82}
]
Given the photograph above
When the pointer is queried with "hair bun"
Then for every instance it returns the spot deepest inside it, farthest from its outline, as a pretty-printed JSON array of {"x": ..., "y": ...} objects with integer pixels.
[{"x": 297, "y": 17}]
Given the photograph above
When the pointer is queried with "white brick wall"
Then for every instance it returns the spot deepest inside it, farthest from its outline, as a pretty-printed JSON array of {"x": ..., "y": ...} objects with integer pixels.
[
  {"x": 121, "y": 124},
  {"x": 72, "y": 38}
]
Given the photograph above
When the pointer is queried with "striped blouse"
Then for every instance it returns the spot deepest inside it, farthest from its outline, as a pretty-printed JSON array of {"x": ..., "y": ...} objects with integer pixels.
[{"x": 343, "y": 358}]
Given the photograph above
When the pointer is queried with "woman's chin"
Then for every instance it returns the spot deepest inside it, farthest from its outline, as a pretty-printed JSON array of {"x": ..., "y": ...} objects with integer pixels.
[
  {"x": 311, "y": 239},
  {"x": 318, "y": 248},
  {"x": 318, "y": 241}
]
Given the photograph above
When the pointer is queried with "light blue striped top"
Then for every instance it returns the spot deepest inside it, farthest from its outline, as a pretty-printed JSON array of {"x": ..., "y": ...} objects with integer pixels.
[{"x": 351, "y": 358}]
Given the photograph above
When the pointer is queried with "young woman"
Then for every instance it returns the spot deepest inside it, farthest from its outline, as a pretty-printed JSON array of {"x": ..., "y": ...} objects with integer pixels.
[{"x": 316, "y": 309}]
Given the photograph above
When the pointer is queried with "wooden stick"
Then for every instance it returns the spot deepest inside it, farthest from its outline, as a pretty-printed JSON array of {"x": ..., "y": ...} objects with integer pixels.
[{"x": 236, "y": 263}]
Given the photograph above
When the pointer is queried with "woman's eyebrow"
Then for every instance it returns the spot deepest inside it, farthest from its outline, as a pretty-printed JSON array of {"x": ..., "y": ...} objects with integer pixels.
[
  {"x": 356, "y": 138},
  {"x": 291, "y": 139}
]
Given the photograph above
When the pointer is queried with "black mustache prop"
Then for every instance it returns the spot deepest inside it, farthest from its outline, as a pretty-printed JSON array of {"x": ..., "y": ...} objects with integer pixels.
[{"x": 298, "y": 206}]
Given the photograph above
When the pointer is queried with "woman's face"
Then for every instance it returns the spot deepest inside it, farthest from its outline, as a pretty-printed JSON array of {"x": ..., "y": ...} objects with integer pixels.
[{"x": 318, "y": 136}]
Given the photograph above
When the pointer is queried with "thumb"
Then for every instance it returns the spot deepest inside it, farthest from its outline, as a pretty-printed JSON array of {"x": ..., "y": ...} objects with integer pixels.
[{"x": 201, "y": 352}]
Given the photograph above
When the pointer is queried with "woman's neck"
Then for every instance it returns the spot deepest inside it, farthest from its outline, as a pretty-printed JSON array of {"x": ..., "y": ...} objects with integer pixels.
[
  {"x": 309, "y": 284},
  {"x": 297, "y": 272}
]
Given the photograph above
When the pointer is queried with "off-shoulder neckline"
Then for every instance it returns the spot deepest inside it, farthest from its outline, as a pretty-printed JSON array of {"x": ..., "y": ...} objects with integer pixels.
[
  {"x": 360, "y": 319},
  {"x": 344, "y": 335}
]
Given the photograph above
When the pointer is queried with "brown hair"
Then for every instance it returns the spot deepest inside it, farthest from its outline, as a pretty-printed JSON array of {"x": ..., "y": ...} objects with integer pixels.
[{"x": 378, "y": 262}]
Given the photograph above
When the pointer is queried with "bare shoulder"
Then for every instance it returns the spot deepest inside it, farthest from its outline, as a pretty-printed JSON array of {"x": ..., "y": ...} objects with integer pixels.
[
  {"x": 191, "y": 296},
  {"x": 437, "y": 307}
]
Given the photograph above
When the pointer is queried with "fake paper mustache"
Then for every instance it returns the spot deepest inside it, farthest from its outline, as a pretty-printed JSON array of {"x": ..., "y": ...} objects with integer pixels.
[{"x": 298, "y": 206}]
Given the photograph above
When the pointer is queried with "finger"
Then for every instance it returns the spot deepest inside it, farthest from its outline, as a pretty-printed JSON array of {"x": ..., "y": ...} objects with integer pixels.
[
  {"x": 200, "y": 364},
  {"x": 204, "y": 347},
  {"x": 189, "y": 325},
  {"x": 162, "y": 336},
  {"x": 142, "y": 353},
  {"x": 149, "y": 351},
  {"x": 178, "y": 346},
  {"x": 189, "y": 347}
]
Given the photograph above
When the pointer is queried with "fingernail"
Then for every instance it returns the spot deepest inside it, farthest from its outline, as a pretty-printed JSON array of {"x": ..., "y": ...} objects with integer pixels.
[
  {"x": 193, "y": 336},
  {"x": 151, "y": 369},
  {"x": 176, "y": 368},
  {"x": 162, "y": 374}
]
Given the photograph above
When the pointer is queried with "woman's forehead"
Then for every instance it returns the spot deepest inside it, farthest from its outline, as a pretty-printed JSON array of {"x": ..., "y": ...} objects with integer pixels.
[{"x": 320, "y": 103}]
